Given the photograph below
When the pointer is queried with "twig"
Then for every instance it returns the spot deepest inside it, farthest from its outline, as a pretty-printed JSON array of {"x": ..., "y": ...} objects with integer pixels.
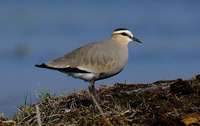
[
  {"x": 97, "y": 104},
  {"x": 38, "y": 115}
]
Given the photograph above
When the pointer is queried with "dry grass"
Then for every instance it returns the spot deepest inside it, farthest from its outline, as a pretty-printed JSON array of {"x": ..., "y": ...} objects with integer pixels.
[{"x": 173, "y": 102}]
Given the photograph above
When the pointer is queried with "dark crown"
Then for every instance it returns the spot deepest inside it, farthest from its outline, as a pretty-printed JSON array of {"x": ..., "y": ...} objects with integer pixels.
[{"x": 120, "y": 29}]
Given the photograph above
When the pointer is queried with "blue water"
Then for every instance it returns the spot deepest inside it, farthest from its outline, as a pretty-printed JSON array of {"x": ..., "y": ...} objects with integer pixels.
[{"x": 32, "y": 32}]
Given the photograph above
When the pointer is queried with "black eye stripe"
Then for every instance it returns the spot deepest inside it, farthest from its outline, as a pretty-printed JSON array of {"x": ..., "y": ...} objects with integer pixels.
[{"x": 124, "y": 34}]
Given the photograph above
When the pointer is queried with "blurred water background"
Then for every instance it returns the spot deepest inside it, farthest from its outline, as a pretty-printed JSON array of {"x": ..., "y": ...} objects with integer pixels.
[{"x": 33, "y": 32}]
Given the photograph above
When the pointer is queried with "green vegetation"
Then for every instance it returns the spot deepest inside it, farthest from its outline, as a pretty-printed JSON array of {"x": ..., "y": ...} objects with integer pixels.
[{"x": 44, "y": 94}]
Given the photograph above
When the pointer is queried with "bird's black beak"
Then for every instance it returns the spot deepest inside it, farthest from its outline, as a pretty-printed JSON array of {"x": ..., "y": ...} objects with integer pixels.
[{"x": 137, "y": 40}]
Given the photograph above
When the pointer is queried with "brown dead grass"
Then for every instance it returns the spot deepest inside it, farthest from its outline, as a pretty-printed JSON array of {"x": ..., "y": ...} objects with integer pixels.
[{"x": 173, "y": 102}]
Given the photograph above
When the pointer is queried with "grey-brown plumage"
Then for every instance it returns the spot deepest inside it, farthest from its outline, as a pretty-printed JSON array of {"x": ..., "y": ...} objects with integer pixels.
[{"x": 97, "y": 60}]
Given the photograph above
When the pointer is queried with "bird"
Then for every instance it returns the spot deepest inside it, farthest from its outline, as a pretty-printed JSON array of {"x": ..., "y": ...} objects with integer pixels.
[{"x": 97, "y": 60}]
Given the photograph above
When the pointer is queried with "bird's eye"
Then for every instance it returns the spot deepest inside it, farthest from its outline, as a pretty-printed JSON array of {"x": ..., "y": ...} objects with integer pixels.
[{"x": 124, "y": 34}]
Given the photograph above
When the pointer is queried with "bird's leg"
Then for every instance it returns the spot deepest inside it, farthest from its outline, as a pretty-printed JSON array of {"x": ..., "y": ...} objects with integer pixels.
[
  {"x": 93, "y": 94},
  {"x": 92, "y": 89}
]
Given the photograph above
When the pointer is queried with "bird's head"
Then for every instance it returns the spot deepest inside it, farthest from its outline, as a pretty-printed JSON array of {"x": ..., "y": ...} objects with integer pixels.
[{"x": 124, "y": 35}]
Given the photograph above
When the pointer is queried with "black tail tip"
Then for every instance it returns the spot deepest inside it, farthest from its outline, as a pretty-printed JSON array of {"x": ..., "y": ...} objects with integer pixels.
[
  {"x": 37, "y": 65},
  {"x": 40, "y": 65}
]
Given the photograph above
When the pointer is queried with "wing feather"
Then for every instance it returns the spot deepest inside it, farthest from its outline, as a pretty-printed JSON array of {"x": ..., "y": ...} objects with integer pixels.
[{"x": 95, "y": 57}]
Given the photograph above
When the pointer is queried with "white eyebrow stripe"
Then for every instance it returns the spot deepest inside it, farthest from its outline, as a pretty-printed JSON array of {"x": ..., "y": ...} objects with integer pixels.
[{"x": 121, "y": 31}]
